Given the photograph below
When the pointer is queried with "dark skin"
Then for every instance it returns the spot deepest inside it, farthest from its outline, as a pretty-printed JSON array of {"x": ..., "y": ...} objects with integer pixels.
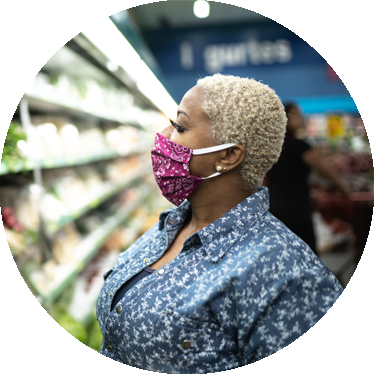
[{"x": 213, "y": 197}]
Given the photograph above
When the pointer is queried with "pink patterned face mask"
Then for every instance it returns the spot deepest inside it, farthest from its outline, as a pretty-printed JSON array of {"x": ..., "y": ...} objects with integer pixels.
[{"x": 170, "y": 162}]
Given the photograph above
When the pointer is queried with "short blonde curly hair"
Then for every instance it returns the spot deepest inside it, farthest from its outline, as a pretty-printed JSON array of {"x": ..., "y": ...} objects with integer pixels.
[{"x": 246, "y": 112}]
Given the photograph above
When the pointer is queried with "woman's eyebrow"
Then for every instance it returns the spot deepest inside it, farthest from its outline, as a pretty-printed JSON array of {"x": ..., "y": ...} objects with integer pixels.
[{"x": 181, "y": 112}]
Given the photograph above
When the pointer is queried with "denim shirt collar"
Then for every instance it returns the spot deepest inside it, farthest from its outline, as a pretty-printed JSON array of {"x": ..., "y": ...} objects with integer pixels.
[{"x": 218, "y": 237}]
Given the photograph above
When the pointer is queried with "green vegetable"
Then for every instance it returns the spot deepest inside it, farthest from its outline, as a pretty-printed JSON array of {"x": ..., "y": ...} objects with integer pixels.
[
  {"x": 95, "y": 337},
  {"x": 81, "y": 360},
  {"x": 72, "y": 326},
  {"x": 11, "y": 153}
]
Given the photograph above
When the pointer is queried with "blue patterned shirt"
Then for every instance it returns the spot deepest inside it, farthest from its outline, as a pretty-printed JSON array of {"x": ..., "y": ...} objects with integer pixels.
[{"x": 241, "y": 289}]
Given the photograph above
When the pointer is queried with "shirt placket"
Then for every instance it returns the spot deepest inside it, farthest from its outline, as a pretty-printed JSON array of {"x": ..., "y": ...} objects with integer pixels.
[{"x": 114, "y": 325}]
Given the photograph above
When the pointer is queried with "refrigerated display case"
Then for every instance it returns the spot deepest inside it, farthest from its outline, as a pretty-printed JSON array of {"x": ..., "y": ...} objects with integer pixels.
[{"x": 76, "y": 183}]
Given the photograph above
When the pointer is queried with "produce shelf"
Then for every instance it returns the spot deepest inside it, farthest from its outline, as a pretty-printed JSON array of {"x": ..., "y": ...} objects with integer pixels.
[
  {"x": 84, "y": 252},
  {"x": 83, "y": 304},
  {"x": 5, "y": 254},
  {"x": 53, "y": 103},
  {"x": 52, "y": 163},
  {"x": 92, "y": 201},
  {"x": 16, "y": 314}
]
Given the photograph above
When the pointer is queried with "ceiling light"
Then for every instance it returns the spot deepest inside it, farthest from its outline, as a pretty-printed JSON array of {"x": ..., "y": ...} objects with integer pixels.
[
  {"x": 201, "y": 8},
  {"x": 268, "y": 5}
]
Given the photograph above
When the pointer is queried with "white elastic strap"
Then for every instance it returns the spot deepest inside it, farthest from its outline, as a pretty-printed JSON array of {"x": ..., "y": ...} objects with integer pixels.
[
  {"x": 216, "y": 148},
  {"x": 211, "y": 176}
]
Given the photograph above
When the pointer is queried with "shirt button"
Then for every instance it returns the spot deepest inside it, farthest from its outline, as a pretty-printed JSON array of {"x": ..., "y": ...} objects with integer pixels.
[
  {"x": 171, "y": 222},
  {"x": 109, "y": 348},
  {"x": 110, "y": 294},
  {"x": 186, "y": 344},
  {"x": 119, "y": 309},
  {"x": 161, "y": 271},
  {"x": 146, "y": 259}
]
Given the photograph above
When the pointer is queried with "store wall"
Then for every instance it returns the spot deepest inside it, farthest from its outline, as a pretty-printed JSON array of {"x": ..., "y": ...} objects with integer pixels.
[{"x": 264, "y": 51}]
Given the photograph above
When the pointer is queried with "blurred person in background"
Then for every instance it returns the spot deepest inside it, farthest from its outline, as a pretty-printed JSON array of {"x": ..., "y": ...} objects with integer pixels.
[
  {"x": 287, "y": 180},
  {"x": 218, "y": 282}
]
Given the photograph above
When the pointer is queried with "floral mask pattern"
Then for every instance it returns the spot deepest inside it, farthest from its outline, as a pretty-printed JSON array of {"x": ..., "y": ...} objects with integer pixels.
[{"x": 170, "y": 163}]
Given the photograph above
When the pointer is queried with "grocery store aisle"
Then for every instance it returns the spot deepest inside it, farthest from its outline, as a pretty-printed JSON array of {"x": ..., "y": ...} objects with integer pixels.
[{"x": 360, "y": 323}]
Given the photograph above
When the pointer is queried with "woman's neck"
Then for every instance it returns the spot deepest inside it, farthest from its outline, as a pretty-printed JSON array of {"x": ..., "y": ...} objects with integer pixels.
[{"x": 213, "y": 198}]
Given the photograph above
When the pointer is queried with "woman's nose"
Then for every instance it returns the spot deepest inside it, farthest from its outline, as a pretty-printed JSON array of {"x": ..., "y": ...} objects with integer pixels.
[{"x": 166, "y": 131}]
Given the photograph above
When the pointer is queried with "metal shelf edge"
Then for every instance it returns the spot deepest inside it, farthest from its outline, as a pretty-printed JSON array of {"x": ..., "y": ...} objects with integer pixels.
[
  {"x": 91, "y": 245},
  {"x": 54, "y": 163},
  {"x": 37, "y": 302},
  {"x": 73, "y": 106},
  {"x": 53, "y": 227}
]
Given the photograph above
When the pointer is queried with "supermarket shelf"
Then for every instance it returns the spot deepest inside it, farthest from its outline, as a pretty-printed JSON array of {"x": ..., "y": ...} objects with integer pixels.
[
  {"x": 51, "y": 163},
  {"x": 16, "y": 314},
  {"x": 5, "y": 254},
  {"x": 54, "y": 104},
  {"x": 89, "y": 246},
  {"x": 92, "y": 201},
  {"x": 84, "y": 303}
]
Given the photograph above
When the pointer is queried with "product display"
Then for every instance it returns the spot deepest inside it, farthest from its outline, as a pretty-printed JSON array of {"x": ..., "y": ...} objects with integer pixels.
[
  {"x": 336, "y": 133},
  {"x": 76, "y": 187}
]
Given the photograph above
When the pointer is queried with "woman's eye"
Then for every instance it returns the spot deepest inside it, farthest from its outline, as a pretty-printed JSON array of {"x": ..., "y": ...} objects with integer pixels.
[{"x": 177, "y": 127}]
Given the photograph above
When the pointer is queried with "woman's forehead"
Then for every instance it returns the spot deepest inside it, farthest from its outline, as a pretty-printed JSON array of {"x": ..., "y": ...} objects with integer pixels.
[{"x": 192, "y": 101}]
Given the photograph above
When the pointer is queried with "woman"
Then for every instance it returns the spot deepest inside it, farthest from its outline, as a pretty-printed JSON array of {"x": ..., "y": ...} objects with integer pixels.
[
  {"x": 218, "y": 282},
  {"x": 287, "y": 180}
]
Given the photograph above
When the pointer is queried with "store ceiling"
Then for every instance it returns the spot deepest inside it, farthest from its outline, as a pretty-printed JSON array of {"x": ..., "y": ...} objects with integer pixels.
[{"x": 179, "y": 14}]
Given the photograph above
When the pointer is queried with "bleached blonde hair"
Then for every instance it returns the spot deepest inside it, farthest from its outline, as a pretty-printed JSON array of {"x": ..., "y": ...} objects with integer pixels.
[{"x": 246, "y": 112}]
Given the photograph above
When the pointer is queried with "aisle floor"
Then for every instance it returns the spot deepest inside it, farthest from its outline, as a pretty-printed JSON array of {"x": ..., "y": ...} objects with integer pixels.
[{"x": 359, "y": 322}]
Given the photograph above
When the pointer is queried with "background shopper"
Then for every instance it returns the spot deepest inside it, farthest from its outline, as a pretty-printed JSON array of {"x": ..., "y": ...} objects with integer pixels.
[{"x": 287, "y": 180}]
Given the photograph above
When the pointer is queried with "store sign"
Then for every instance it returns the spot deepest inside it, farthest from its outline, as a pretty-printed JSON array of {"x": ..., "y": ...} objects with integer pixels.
[
  {"x": 350, "y": 41},
  {"x": 217, "y": 57},
  {"x": 267, "y": 52},
  {"x": 230, "y": 49}
]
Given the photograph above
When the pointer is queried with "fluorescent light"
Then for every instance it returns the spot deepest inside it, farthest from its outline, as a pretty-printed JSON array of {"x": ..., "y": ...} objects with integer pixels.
[
  {"x": 201, "y": 8},
  {"x": 268, "y": 5},
  {"x": 109, "y": 40}
]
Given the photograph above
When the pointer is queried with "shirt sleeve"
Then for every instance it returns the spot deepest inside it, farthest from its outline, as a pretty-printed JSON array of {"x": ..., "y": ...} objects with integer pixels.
[{"x": 282, "y": 313}]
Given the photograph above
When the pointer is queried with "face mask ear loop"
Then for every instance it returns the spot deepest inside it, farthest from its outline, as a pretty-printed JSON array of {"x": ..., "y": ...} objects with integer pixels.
[
  {"x": 216, "y": 148},
  {"x": 211, "y": 176},
  {"x": 211, "y": 150}
]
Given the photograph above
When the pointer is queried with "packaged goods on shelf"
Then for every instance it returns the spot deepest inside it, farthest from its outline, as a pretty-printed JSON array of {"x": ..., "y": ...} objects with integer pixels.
[
  {"x": 82, "y": 156},
  {"x": 57, "y": 137},
  {"x": 334, "y": 132},
  {"x": 19, "y": 204},
  {"x": 87, "y": 95}
]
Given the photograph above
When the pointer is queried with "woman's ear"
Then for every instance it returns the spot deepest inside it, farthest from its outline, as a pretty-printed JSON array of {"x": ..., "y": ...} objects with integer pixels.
[{"x": 233, "y": 157}]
